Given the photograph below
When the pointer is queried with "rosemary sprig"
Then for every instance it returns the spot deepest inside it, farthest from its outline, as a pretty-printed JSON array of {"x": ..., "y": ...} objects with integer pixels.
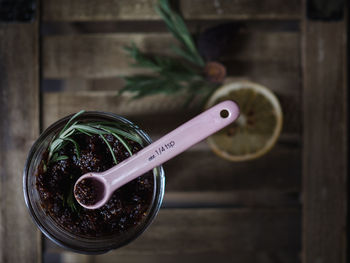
[
  {"x": 74, "y": 127},
  {"x": 171, "y": 75},
  {"x": 89, "y": 129},
  {"x": 109, "y": 147},
  {"x": 70, "y": 200},
  {"x": 159, "y": 63},
  {"x": 178, "y": 28}
]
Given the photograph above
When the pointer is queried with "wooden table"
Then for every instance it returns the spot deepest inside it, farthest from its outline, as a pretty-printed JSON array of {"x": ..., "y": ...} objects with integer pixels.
[{"x": 288, "y": 206}]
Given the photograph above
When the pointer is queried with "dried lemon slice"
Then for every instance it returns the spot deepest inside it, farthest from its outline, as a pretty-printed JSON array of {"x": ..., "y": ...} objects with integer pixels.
[{"x": 256, "y": 130}]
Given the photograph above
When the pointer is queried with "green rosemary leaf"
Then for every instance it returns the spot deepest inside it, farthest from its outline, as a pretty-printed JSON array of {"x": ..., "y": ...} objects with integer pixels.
[
  {"x": 71, "y": 119},
  {"x": 186, "y": 55},
  {"x": 161, "y": 64},
  {"x": 168, "y": 23},
  {"x": 94, "y": 128},
  {"x": 84, "y": 132},
  {"x": 123, "y": 142},
  {"x": 130, "y": 136},
  {"x": 120, "y": 139},
  {"x": 167, "y": 83},
  {"x": 177, "y": 27},
  {"x": 164, "y": 11},
  {"x": 70, "y": 200},
  {"x": 68, "y": 132},
  {"x": 76, "y": 146},
  {"x": 54, "y": 157},
  {"x": 110, "y": 148},
  {"x": 164, "y": 6},
  {"x": 61, "y": 145},
  {"x": 59, "y": 158},
  {"x": 44, "y": 166},
  {"x": 96, "y": 123},
  {"x": 54, "y": 145},
  {"x": 88, "y": 128},
  {"x": 142, "y": 60},
  {"x": 122, "y": 127}
]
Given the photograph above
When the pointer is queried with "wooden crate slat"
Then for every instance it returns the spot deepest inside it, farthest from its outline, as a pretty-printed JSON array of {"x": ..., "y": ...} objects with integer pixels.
[
  {"x": 19, "y": 127},
  {"x": 101, "y": 55},
  {"x": 112, "y": 10},
  {"x": 168, "y": 110},
  {"x": 241, "y": 9},
  {"x": 256, "y": 198},
  {"x": 102, "y": 10},
  {"x": 237, "y": 257},
  {"x": 60, "y": 104},
  {"x": 97, "y": 55},
  {"x": 192, "y": 235},
  {"x": 285, "y": 86},
  {"x": 204, "y": 171},
  {"x": 325, "y": 142}
]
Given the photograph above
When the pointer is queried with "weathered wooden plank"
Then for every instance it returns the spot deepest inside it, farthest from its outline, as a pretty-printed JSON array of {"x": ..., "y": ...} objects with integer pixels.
[
  {"x": 241, "y": 9},
  {"x": 253, "y": 53},
  {"x": 257, "y": 198},
  {"x": 287, "y": 90},
  {"x": 202, "y": 235},
  {"x": 152, "y": 26},
  {"x": 105, "y": 10},
  {"x": 112, "y": 10},
  {"x": 96, "y": 55},
  {"x": 197, "y": 169},
  {"x": 237, "y": 257},
  {"x": 325, "y": 142},
  {"x": 168, "y": 110},
  {"x": 288, "y": 87},
  {"x": 19, "y": 127},
  {"x": 201, "y": 170},
  {"x": 60, "y": 104}
]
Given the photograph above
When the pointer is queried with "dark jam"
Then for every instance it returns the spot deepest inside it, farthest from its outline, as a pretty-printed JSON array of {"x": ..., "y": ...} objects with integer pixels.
[
  {"x": 88, "y": 191},
  {"x": 126, "y": 208}
]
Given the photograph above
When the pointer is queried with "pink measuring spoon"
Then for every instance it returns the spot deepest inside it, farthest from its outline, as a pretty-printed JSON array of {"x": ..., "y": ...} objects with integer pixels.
[{"x": 160, "y": 151}]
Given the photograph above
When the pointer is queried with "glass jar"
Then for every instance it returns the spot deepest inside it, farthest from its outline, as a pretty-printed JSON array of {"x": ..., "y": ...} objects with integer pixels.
[{"x": 55, "y": 232}]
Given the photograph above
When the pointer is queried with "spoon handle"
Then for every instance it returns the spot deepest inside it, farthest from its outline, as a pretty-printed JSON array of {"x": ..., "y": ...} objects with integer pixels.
[{"x": 172, "y": 144}]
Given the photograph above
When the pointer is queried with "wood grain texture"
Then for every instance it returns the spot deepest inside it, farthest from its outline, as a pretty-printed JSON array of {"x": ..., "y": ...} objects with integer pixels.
[
  {"x": 19, "y": 107},
  {"x": 202, "y": 170},
  {"x": 114, "y": 10},
  {"x": 204, "y": 235},
  {"x": 168, "y": 110},
  {"x": 105, "y": 10},
  {"x": 97, "y": 55},
  {"x": 252, "y": 54},
  {"x": 241, "y": 9},
  {"x": 288, "y": 91},
  {"x": 325, "y": 142},
  {"x": 256, "y": 198}
]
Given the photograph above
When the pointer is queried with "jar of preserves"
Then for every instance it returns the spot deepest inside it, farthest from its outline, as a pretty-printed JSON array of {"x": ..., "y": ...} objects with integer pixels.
[{"x": 92, "y": 142}]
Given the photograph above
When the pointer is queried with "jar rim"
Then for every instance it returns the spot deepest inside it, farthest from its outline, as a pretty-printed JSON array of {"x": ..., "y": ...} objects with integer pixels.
[{"x": 158, "y": 192}]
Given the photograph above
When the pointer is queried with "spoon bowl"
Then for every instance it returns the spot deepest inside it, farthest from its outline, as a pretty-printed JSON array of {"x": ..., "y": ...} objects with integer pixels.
[{"x": 91, "y": 190}]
